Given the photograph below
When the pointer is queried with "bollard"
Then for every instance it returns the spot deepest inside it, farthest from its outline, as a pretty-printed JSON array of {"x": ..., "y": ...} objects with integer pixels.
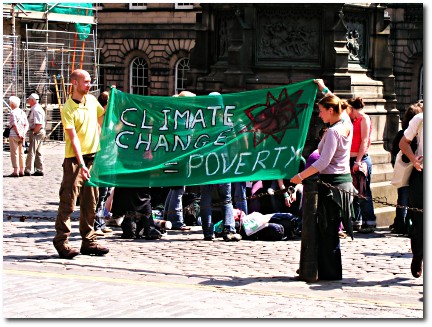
[{"x": 309, "y": 245}]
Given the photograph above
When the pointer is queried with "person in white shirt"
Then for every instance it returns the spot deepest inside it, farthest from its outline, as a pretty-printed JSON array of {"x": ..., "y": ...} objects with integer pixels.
[
  {"x": 36, "y": 137},
  {"x": 415, "y": 129}
]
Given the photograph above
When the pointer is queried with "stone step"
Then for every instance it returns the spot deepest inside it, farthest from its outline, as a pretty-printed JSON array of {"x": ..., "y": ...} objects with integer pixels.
[
  {"x": 382, "y": 190},
  {"x": 382, "y": 172},
  {"x": 385, "y": 216},
  {"x": 385, "y": 192}
]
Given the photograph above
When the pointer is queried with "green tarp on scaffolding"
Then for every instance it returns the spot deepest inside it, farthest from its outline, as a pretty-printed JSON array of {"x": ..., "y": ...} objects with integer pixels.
[{"x": 66, "y": 8}]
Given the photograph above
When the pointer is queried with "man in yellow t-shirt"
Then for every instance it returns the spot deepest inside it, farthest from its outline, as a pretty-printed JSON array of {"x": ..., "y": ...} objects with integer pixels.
[{"x": 82, "y": 117}]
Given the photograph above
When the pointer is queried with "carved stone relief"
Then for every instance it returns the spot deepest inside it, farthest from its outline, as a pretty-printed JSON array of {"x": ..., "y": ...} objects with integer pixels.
[
  {"x": 287, "y": 35},
  {"x": 225, "y": 22},
  {"x": 353, "y": 46},
  {"x": 355, "y": 37}
]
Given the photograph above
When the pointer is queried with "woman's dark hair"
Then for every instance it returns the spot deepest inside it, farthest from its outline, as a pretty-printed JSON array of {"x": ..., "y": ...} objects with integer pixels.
[
  {"x": 412, "y": 110},
  {"x": 332, "y": 101},
  {"x": 356, "y": 103},
  {"x": 103, "y": 98},
  {"x": 322, "y": 131}
]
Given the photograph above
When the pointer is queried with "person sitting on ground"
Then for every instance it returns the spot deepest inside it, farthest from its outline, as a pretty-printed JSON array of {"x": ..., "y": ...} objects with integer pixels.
[{"x": 134, "y": 203}]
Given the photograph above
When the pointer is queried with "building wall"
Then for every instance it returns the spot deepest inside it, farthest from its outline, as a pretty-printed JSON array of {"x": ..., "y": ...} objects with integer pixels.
[
  {"x": 406, "y": 41},
  {"x": 160, "y": 34}
]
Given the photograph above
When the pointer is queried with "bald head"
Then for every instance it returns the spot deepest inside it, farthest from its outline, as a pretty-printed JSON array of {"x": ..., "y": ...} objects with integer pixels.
[
  {"x": 81, "y": 82},
  {"x": 78, "y": 74}
]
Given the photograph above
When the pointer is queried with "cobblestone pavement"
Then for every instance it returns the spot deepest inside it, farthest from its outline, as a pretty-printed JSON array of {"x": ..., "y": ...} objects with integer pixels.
[{"x": 182, "y": 276}]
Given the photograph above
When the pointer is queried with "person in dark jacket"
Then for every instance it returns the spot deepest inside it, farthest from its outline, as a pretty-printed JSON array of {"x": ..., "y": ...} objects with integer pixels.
[{"x": 135, "y": 204}]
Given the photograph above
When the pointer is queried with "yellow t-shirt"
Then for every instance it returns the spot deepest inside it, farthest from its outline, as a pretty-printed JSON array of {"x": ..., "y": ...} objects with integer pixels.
[{"x": 83, "y": 117}]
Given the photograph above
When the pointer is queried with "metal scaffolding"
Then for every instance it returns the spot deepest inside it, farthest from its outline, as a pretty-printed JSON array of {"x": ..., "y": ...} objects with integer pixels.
[
  {"x": 50, "y": 57},
  {"x": 12, "y": 84},
  {"x": 43, "y": 62}
]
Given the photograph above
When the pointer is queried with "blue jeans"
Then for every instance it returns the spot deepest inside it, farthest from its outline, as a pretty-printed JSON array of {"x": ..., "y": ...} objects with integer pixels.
[
  {"x": 174, "y": 207},
  {"x": 239, "y": 190},
  {"x": 363, "y": 208},
  {"x": 224, "y": 192},
  {"x": 99, "y": 222},
  {"x": 400, "y": 221}
]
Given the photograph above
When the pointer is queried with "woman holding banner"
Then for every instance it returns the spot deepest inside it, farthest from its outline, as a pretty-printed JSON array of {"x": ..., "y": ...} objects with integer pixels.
[{"x": 334, "y": 204}]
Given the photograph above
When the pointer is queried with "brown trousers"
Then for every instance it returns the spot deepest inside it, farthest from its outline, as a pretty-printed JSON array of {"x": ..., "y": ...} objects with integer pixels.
[{"x": 71, "y": 187}]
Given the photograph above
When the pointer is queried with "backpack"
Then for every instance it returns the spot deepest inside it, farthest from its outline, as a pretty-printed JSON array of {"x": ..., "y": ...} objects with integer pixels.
[
  {"x": 191, "y": 212},
  {"x": 273, "y": 232},
  {"x": 292, "y": 224}
]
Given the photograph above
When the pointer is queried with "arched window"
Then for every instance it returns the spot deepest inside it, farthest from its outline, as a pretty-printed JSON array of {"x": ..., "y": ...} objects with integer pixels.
[
  {"x": 139, "y": 77},
  {"x": 182, "y": 67}
]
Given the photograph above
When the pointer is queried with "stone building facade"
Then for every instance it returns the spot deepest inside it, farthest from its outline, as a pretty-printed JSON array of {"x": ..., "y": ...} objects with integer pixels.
[
  {"x": 145, "y": 48},
  {"x": 407, "y": 47}
]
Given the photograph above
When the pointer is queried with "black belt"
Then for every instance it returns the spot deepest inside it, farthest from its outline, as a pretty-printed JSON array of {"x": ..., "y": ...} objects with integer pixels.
[
  {"x": 89, "y": 156},
  {"x": 364, "y": 156}
]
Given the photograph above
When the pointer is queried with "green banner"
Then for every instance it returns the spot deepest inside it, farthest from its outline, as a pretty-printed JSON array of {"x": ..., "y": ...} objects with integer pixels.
[{"x": 174, "y": 141}]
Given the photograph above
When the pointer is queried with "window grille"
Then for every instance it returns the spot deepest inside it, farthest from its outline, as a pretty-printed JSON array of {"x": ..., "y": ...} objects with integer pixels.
[
  {"x": 184, "y": 6},
  {"x": 137, "y": 6},
  {"x": 139, "y": 77},
  {"x": 181, "y": 69}
]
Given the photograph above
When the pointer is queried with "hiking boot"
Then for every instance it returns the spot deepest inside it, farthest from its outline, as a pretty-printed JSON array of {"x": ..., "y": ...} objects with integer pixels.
[
  {"x": 129, "y": 227},
  {"x": 153, "y": 234},
  {"x": 229, "y": 236},
  {"x": 416, "y": 267},
  {"x": 94, "y": 249},
  {"x": 356, "y": 227},
  {"x": 128, "y": 236},
  {"x": 67, "y": 253},
  {"x": 396, "y": 229},
  {"x": 209, "y": 238}
]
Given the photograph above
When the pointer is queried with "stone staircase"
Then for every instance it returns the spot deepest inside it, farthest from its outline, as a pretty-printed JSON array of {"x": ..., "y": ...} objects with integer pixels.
[
  {"x": 382, "y": 172},
  {"x": 372, "y": 92}
]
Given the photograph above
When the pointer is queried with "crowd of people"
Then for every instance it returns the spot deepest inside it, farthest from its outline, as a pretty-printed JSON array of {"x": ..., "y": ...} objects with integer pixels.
[{"x": 341, "y": 160}]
